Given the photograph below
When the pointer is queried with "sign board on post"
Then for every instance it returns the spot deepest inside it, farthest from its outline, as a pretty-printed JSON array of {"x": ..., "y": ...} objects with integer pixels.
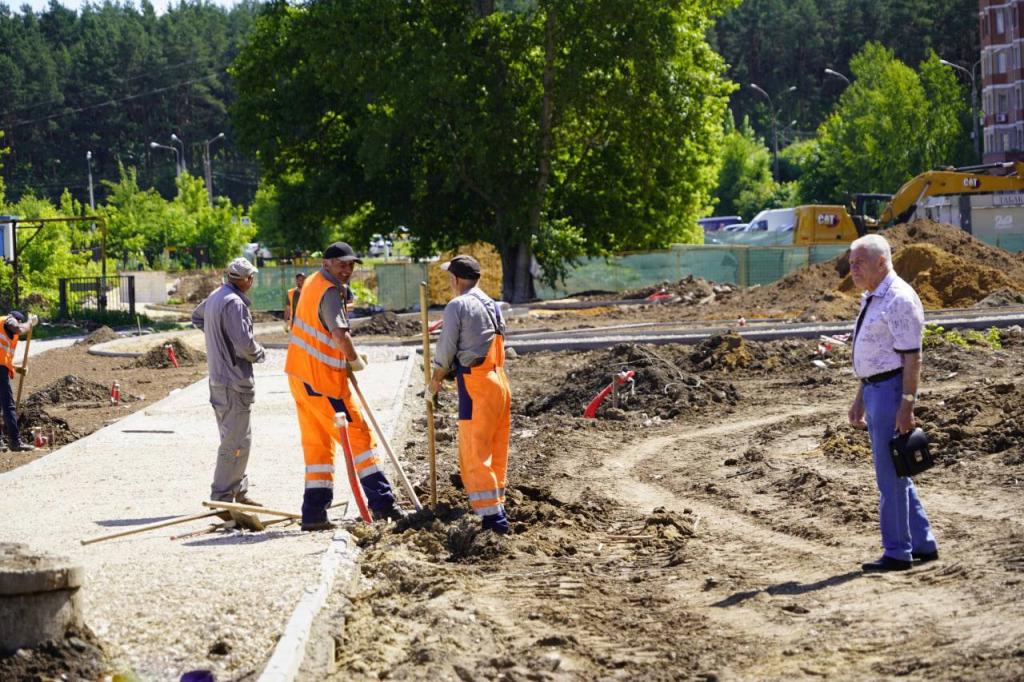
[{"x": 7, "y": 223}]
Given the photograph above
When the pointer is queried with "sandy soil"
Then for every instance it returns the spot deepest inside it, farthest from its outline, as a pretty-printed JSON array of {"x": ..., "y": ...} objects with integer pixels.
[{"x": 721, "y": 542}]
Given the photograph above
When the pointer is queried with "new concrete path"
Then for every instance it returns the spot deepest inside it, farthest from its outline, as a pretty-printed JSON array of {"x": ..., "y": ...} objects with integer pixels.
[{"x": 163, "y": 604}]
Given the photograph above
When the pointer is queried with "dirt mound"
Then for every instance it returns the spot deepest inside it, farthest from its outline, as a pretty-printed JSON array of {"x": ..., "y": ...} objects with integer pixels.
[
  {"x": 979, "y": 420},
  {"x": 943, "y": 280},
  {"x": 193, "y": 287},
  {"x": 662, "y": 385},
  {"x": 79, "y": 656},
  {"x": 843, "y": 442},
  {"x": 1001, "y": 299},
  {"x": 689, "y": 290},
  {"x": 947, "y": 266},
  {"x": 157, "y": 357},
  {"x": 722, "y": 351},
  {"x": 834, "y": 498},
  {"x": 73, "y": 389},
  {"x": 388, "y": 324},
  {"x": 100, "y": 335}
]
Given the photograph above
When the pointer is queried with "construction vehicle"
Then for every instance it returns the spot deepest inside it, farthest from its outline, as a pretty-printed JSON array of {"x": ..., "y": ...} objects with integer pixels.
[
  {"x": 807, "y": 225},
  {"x": 986, "y": 201}
]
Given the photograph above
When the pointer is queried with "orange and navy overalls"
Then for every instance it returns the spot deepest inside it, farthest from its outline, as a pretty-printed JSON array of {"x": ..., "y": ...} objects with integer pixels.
[
  {"x": 318, "y": 378},
  {"x": 485, "y": 414},
  {"x": 10, "y": 417},
  {"x": 292, "y": 295}
]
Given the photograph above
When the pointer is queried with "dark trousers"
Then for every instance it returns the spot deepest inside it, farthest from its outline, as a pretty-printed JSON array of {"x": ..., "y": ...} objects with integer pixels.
[{"x": 7, "y": 405}]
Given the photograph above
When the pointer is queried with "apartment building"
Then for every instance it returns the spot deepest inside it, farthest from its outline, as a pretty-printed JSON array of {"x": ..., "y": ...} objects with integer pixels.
[{"x": 1002, "y": 76}]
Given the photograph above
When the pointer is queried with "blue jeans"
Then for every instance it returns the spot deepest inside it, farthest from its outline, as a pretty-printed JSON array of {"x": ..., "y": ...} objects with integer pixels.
[{"x": 905, "y": 527}]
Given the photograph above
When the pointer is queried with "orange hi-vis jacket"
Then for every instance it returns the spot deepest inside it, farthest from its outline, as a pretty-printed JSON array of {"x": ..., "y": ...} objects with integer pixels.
[
  {"x": 7, "y": 346},
  {"x": 291, "y": 302},
  {"x": 313, "y": 356}
]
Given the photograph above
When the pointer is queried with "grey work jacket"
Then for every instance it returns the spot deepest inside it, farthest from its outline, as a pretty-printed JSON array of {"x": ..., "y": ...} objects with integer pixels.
[{"x": 231, "y": 347}]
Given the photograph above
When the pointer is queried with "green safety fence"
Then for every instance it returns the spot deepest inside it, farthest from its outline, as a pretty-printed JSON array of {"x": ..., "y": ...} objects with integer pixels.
[
  {"x": 272, "y": 285},
  {"x": 742, "y": 265}
]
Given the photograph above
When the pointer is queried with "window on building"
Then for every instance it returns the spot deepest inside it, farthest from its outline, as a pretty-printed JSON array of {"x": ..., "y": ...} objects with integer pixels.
[
  {"x": 1001, "y": 103},
  {"x": 1001, "y": 62},
  {"x": 1006, "y": 142},
  {"x": 1000, "y": 28}
]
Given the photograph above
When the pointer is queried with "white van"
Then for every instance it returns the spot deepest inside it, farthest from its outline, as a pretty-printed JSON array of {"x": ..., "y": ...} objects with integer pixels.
[{"x": 773, "y": 220}]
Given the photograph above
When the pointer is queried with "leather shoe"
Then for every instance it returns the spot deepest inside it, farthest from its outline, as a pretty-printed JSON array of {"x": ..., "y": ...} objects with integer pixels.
[
  {"x": 925, "y": 557},
  {"x": 319, "y": 525},
  {"x": 23, "y": 447},
  {"x": 886, "y": 564}
]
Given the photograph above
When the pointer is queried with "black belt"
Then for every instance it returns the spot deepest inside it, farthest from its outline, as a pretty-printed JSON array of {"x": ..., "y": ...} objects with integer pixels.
[{"x": 876, "y": 378}]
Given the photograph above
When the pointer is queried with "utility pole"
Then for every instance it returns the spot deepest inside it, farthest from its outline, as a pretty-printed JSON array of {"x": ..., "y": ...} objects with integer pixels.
[{"x": 208, "y": 166}]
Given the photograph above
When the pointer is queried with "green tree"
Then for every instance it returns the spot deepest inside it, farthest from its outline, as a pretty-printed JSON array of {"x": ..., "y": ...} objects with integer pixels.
[
  {"x": 890, "y": 125},
  {"x": 556, "y": 128},
  {"x": 746, "y": 172}
]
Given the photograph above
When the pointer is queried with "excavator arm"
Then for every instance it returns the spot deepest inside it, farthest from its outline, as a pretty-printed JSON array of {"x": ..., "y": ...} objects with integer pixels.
[{"x": 999, "y": 177}]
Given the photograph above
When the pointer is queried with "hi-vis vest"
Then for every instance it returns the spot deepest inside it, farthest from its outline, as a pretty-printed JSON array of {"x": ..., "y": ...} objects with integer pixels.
[
  {"x": 291, "y": 300},
  {"x": 7, "y": 346},
  {"x": 313, "y": 356}
]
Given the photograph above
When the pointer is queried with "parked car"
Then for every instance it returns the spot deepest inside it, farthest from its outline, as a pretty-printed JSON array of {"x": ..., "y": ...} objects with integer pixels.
[
  {"x": 380, "y": 246},
  {"x": 716, "y": 223},
  {"x": 735, "y": 227},
  {"x": 772, "y": 220}
]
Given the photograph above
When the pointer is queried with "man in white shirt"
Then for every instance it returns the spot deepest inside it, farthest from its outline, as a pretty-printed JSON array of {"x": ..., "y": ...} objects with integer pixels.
[{"x": 887, "y": 360}]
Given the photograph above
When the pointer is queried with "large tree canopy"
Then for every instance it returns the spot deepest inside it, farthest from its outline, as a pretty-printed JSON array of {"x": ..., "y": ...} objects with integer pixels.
[
  {"x": 890, "y": 125},
  {"x": 556, "y": 128}
]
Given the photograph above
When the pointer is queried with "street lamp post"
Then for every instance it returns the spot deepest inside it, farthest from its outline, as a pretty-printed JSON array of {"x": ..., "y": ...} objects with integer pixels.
[
  {"x": 177, "y": 159},
  {"x": 208, "y": 166},
  {"x": 92, "y": 200},
  {"x": 774, "y": 116},
  {"x": 974, "y": 102},
  {"x": 836, "y": 74},
  {"x": 183, "y": 161}
]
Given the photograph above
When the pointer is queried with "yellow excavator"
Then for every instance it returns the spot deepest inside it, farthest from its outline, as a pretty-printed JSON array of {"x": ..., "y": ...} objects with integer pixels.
[{"x": 985, "y": 200}]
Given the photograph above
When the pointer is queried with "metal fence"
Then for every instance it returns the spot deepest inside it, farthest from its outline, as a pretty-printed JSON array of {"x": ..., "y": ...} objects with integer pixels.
[{"x": 80, "y": 295}]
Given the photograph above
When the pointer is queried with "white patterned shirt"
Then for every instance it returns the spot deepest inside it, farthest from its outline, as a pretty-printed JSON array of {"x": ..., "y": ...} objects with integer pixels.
[{"x": 892, "y": 325}]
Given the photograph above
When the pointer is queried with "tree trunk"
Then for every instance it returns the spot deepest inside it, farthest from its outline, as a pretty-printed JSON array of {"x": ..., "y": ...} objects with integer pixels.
[{"x": 523, "y": 289}]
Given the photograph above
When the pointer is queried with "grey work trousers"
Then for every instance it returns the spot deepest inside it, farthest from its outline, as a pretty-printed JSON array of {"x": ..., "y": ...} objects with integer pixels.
[{"x": 233, "y": 407}]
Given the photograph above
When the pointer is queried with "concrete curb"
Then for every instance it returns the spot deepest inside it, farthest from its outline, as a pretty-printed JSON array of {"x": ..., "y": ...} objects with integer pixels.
[
  {"x": 293, "y": 646},
  {"x": 290, "y": 651}
]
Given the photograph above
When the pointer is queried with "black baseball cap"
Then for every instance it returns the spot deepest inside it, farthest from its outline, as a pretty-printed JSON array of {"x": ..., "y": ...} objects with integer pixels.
[
  {"x": 463, "y": 267},
  {"x": 342, "y": 251},
  {"x": 18, "y": 315}
]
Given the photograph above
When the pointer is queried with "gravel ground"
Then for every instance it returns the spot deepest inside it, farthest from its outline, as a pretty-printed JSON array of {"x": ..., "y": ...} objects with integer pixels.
[{"x": 215, "y": 602}]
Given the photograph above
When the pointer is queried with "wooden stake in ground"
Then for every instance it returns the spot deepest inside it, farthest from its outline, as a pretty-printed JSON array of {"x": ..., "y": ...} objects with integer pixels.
[
  {"x": 431, "y": 445},
  {"x": 409, "y": 492},
  {"x": 24, "y": 369}
]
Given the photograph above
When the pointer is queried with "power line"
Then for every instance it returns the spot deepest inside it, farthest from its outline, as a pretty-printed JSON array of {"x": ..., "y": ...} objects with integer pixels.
[
  {"x": 111, "y": 102},
  {"x": 149, "y": 72}
]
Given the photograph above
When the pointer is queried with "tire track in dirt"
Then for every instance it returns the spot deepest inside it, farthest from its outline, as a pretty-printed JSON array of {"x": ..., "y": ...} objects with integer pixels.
[{"x": 728, "y": 541}]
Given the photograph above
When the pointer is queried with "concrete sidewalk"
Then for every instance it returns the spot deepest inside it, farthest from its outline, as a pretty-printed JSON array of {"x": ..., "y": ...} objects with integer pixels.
[{"x": 162, "y": 605}]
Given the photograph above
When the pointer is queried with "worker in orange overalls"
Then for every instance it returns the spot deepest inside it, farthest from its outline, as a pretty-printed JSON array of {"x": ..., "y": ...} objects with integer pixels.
[
  {"x": 14, "y": 325},
  {"x": 472, "y": 342},
  {"x": 292, "y": 298},
  {"x": 320, "y": 356}
]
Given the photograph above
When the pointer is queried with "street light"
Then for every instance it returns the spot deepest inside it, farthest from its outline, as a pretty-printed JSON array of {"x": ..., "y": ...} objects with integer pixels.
[
  {"x": 92, "y": 200},
  {"x": 183, "y": 161},
  {"x": 775, "y": 114},
  {"x": 974, "y": 101},
  {"x": 177, "y": 159},
  {"x": 208, "y": 166},
  {"x": 836, "y": 74}
]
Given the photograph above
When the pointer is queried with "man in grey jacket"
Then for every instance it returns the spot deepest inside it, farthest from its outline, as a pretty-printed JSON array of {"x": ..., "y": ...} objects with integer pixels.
[{"x": 231, "y": 349}]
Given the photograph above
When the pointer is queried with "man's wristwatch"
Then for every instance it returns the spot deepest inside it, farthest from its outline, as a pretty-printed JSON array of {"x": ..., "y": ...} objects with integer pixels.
[{"x": 910, "y": 397}]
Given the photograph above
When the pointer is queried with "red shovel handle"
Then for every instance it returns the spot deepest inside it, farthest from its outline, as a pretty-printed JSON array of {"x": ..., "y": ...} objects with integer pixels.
[
  {"x": 591, "y": 411},
  {"x": 353, "y": 481}
]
